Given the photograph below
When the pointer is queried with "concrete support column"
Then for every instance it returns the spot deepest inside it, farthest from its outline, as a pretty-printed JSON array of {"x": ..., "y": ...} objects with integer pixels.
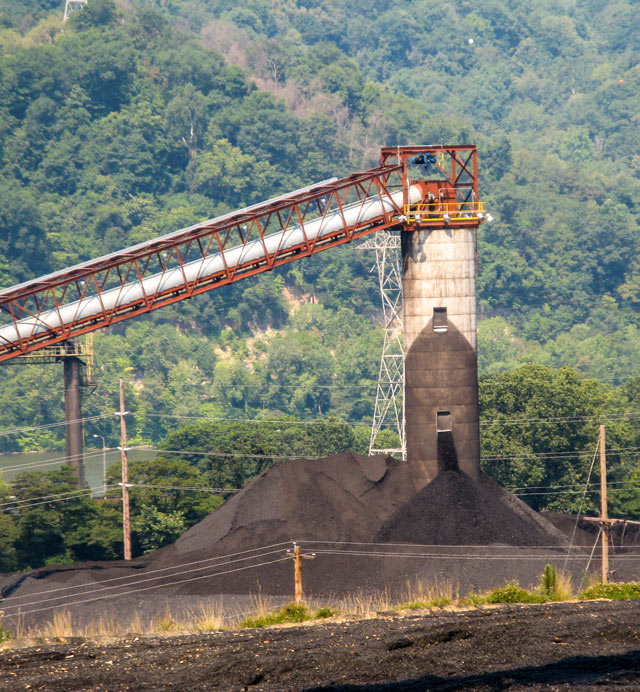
[
  {"x": 73, "y": 416},
  {"x": 441, "y": 372}
]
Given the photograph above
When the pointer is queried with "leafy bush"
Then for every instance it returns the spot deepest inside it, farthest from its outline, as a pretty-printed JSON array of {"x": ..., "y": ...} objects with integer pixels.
[
  {"x": 323, "y": 613},
  {"x": 617, "y": 592},
  {"x": 292, "y": 612},
  {"x": 512, "y": 592}
]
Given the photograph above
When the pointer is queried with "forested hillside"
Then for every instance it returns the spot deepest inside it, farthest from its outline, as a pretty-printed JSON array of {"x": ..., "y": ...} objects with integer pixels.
[{"x": 137, "y": 118}]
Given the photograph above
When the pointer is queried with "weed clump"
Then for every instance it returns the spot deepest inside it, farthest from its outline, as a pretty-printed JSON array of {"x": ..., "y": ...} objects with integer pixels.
[
  {"x": 512, "y": 592},
  {"x": 554, "y": 585},
  {"x": 291, "y": 612},
  {"x": 5, "y": 635},
  {"x": 616, "y": 592}
]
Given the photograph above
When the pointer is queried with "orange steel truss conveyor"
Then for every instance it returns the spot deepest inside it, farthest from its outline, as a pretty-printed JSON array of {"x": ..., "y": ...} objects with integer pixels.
[{"x": 103, "y": 291}]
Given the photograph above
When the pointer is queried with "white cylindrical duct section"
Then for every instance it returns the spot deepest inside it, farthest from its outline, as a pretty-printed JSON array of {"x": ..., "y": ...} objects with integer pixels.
[
  {"x": 253, "y": 251},
  {"x": 441, "y": 374}
]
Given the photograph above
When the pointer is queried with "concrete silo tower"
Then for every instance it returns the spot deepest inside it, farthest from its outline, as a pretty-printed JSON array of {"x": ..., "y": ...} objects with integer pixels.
[{"x": 439, "y": 309}]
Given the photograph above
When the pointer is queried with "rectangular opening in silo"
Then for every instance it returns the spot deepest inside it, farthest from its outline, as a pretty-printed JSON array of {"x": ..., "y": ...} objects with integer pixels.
[
  {"x": 440, "y": 323},
  {"x": 444, "y": 422}
]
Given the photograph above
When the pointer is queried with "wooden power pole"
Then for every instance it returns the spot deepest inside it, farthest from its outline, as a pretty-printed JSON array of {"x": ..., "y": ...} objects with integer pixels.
[
  {"x": 126, "y": 522},
  {"x": 297, "y": 570},
  {"x": 297, "y": 556}
]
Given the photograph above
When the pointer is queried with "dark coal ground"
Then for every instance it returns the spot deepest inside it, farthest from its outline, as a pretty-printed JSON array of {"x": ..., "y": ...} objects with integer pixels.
[
  {"x": 361, "y": 517},
  {"x": 579, "y": 647}
]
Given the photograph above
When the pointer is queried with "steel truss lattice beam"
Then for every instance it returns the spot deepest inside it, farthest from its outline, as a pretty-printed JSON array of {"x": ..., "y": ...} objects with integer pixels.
[
  {"x": 183, "y": 264},
  {"x": 389, "y": 407}
]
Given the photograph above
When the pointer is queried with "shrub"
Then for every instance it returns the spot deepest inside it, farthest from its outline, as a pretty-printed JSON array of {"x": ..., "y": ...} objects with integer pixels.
[
  {"x": 323, "y": 613},
  {"x": 292, "y": 612},
  {"x": 555, "y": 586},
  {"x": 512, "y": 592},
  {"x": 617, "y": 592}
]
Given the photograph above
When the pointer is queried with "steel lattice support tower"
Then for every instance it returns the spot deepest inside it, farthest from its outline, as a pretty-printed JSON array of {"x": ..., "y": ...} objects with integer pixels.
[
  {"x": 71, "y": 6},
  {"x": 389, "y": 406}
]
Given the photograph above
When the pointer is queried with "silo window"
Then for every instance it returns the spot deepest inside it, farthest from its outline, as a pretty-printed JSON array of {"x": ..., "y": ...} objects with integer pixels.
[
  {"x": 440, "y": 320},
  {"x": 443, "y": 421}
]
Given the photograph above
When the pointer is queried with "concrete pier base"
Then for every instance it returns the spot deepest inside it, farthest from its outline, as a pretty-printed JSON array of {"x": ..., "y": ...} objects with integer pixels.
[{"x": 441, "y": 372}]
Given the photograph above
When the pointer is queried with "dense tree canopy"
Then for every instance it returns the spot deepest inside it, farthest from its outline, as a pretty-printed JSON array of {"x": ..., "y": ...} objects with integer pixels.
[{"x": 136, "y": 121}]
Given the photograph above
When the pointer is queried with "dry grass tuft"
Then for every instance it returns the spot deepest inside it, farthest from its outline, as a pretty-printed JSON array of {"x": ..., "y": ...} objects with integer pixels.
[
  {"x": 361, "y": 604},
  {"x": 208, "y": 618},
  {"x": 166, "y": 623},
  {"x": 423, "y": 594},
  {"x": 60, "y": 627}
]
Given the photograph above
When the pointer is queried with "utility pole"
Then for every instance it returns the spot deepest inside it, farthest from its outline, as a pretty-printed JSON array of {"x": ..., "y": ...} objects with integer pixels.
[
  {"x": 126, "y": 523},
  {"x": 604, "y": 510},
  {"x": 297, "y": 556},
  {"x": 297, "y": 580}
]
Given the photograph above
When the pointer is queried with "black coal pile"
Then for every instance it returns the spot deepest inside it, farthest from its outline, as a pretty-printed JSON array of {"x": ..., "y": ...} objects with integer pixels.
[
  {"x": 345, "y": 497},
  {"x": 455, "y": 510},
  {"x": 343, "y": 508}
]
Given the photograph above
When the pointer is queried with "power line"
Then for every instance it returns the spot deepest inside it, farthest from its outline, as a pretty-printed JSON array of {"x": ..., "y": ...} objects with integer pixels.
[
  {"x": 196, "y": 488},
  {"x": 85, "y": 491},
  {"x": 53, "y": 460},
  {"x": 13, "y": 504},
  {"x": 143, "y": 579},
  {"x": 159, "y": 570},
  {"x": 88, "y": 419},
  {"x": 157, "y": 586}
]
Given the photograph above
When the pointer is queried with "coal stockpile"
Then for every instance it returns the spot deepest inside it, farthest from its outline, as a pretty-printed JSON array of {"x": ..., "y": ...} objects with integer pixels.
[
  {"x": 455, "y": 510},
  {"x": 344, "y": 497},
  {"x": 361, "y": 517}
]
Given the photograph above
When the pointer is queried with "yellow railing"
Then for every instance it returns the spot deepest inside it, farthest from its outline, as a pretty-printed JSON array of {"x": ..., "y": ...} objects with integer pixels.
[
  {"x": 77, "y": 349},
  {"x": 443, "y": 211}
]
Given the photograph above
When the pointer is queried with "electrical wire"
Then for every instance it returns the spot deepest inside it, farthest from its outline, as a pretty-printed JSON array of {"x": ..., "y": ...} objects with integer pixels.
[
  {"x": 144, "y": 579},
  {"x": 28, "y": 501},
  {"x": 196, "y": 488},
  {"x": 157, "y": 586},
  {"x": 584, "y": 494},
  {"x": 88, "y": 419},
  {"x": 86, "y": 491},
  {"x": 546, "y": 455},
  {"x": 54, "y": 460},
  {"x": 573, "y": 492},
  {"x": 457, "y": 556},
  {"x": 158, "y": 570}
]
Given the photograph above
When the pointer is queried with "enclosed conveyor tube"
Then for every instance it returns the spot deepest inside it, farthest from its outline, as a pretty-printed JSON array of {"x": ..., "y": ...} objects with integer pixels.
[{"x": 358, "y": 213}]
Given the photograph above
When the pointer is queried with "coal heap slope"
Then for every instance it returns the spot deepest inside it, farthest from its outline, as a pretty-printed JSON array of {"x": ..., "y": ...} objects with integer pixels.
[
  {"x": 348, "y": 497},
  {"x": 344, "y": 497},
  {"x": 455, "y": 510}
]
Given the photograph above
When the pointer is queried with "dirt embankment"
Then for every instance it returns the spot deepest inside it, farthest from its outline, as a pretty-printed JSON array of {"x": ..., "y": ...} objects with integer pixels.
[{"x": 579, "y": 646}]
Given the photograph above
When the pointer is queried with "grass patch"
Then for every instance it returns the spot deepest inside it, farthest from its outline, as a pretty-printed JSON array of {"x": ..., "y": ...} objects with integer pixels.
[
  {"x": 291, "y": 612},
  {"x": 512, "y": 592},
  {"x": 209, "y": 618},
  {"x": 60, "y": 627},
  {"x": 5, "y": 635},
  {"x": 554, "y": 585},
  {"x": 166, "y": 623},
  {"x": 422, "y": 594},
  {"x": 365, "y": 604},
  {"x": 616, "y": 592}
]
